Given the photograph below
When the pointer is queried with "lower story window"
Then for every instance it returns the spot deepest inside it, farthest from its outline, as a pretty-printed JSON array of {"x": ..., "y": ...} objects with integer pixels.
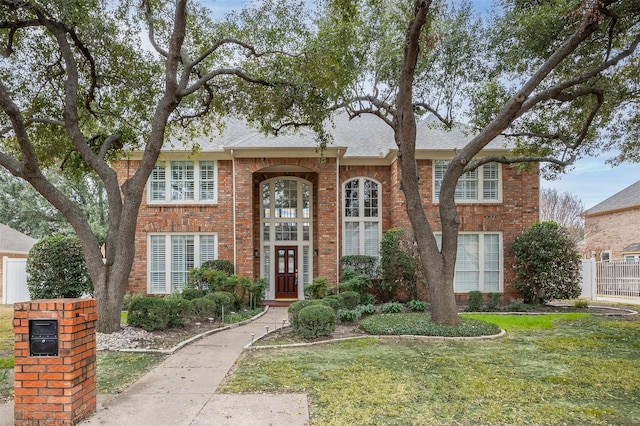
[
  {"x": 478, "y": 262},
  {"x": 172, "y": 256}
]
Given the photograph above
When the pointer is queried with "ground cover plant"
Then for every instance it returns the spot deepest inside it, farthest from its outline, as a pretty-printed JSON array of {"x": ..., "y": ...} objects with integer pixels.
[{"x": 550, "y": 369}]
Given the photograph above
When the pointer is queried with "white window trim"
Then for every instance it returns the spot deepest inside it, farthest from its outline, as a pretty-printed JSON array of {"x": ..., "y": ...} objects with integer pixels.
[
  {"x": 480, "y": 199},
  {"x": 167, "y": 235},
  {"x": 196, "y": 189},
  {"x": 605, "y": 252},
  {"x": 361, "y": 219},
  {"x": 481, "y": 262}
]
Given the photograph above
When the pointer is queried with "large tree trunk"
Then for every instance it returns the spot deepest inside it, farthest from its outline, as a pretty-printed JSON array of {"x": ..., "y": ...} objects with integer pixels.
[{"x": 438, "y": 266}]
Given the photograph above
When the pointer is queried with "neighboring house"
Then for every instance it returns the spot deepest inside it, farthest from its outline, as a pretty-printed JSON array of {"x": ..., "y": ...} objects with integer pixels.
[
  {"x": 279, "y": 209},
  {"x": 612, "y": 227},
  {"x": 13, "y": 244}
]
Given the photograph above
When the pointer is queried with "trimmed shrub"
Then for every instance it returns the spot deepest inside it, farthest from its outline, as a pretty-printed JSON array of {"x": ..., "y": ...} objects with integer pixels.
[
  {"x": 417, "y": 305},
  {"x": 222, "y": 299},
  {"x": 474, "y": 301},
  {"x": 367, "y": 299},
  {"x": 148, "y": 313},
  {"x": 391, "y": 308},
  {"x": 316, "y": 320},
  {"x": 516, "y": 305},
  {"x": 354, "y": 281},
  {"x": 334, "y": 301},
  {"x": 493, "y": 302},
  {"x": 295, "y": 308},
  {"x": 192, "y": 293},
  {"x": 547, "y": 264},
  {"x": 56, "y": 268},
  {"x": 369, "y": 309},
  {"x": 179, "y": 310},
  {"x": 203, "y": 309},
  {"x": 359, "y": 264},
  {"x": 318, "y": 289},
  {"x": 421, "y": 325},
  {"x": 348, "y": 315},
  {"x": 350, "y": 299},
  {"x": 223, "y": 265}
]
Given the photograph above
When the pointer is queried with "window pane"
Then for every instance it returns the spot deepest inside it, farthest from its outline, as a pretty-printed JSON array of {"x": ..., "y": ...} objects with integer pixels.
[
  {"x": 207, "y": 181},
  {"x": 491, "y": 263},
  {"x": 182, "y": 260},
  {"x": 371, "y": 239},
  {"x": 182, "y": 180},
  {"x": 286, "y": 199},
  {"x": 467, "y": 263},
  {"x": 157, "y": 264},
  {"x": 306, "y": 201},
  {"x": 370, "y": 198},
  {"x": 207, "y": 248},
  {"x": 286, "y": 231},
  {"x": 351, "y": 199},
  {"x": 306, "y": 265},
  {"x": 351, "y": 238},
  {"x": 490, "y": 181},
  {"x": 439, "y": 168},
  {"x": 266, "y": 201},
  {"x": 157, "y": 183}
]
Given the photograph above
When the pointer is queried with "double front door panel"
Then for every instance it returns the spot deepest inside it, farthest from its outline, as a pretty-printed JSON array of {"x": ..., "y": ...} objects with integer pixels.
[{"x": 286, "y": 272}]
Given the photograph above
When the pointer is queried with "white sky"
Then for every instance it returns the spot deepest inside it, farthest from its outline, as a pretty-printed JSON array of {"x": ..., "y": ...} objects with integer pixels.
[{"x": 591, "y": 180}]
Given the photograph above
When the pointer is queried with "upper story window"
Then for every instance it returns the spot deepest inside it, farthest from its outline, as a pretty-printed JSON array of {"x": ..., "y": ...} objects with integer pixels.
[
  {"x": 183, "y": 181},
  {"x": 480, "y": 185},
  {"x": 361, "y": 215}
]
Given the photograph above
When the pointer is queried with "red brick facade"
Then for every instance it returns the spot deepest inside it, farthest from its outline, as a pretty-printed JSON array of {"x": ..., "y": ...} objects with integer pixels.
[
  {"x": 517, "y": 211},
  {"x": 61, "y": 389}
]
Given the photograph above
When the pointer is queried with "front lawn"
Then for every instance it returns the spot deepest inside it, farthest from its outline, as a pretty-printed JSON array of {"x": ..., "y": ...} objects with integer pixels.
[{"x": 572, "y": 369}]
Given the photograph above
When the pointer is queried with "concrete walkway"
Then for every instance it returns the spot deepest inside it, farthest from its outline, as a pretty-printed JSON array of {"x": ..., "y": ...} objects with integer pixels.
[{"x": 181, "y": 389}]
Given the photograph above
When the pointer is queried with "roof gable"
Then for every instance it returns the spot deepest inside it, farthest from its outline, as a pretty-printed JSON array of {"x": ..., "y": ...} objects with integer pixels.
[
  {"x": 625, "y": 199},
  {"x": 13, "y": 241}
]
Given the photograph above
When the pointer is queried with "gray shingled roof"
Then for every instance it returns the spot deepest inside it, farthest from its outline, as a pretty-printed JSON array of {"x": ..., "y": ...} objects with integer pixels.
[
  {"x": 631, "y": 248},
  {"x": 628, "y": 197},
  {"x": 14, "y": 241},
  {"x": 364, "y": 136}
]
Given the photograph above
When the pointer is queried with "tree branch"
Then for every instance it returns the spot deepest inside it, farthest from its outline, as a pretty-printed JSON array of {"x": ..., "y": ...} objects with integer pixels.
[{"x": 473, "y": 165}]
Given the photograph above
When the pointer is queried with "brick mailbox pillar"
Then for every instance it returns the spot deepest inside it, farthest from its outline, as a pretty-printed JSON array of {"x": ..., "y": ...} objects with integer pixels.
[{"x": 55, "y": 361}]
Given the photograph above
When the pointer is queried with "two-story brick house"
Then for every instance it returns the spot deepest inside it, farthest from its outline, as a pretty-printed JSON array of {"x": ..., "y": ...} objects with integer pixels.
[{"x": 278, "y": 208}]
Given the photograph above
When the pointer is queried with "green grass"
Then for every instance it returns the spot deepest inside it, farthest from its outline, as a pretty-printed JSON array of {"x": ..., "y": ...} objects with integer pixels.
[
  {"x": 116, "y": 371},
  {"x": 420, "y": 324},
  {"x": 525, "y": 322},
  {"x": 583, "y": 370}
]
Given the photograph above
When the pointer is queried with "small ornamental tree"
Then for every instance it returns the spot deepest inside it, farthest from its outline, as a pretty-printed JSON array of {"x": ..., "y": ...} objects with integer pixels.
[
  {"x": 400, "y": 265},
  {"x": 547, "y": 264},
  {"x": 56, "y": 268}
]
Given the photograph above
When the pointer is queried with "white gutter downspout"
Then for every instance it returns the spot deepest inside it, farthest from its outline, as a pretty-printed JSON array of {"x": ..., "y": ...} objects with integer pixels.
[
  {"x": 233, "y": 184},
  {"x": 338, "y": 225}
]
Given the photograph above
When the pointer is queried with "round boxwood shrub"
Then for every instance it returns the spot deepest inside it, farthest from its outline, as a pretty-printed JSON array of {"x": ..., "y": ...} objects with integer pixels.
[
  {"x": 203, "y": 308},
  {"x": 148, "y": 313},
  {"x": 295, "y": 308},
  {"x": 224, "y": 300},
  {"x": 350, "y": 299},
  {"x": 179, "y": 310},
  {"x": 334, "y": 301},
  {"x": 192, "y": 293},
  {"x": 56, "y": 268},
  {"x": 316, "y": 320}
]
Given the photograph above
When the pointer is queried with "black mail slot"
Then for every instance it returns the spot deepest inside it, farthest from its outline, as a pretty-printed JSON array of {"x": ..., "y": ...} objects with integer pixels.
[{"x": 43, "y": 337}]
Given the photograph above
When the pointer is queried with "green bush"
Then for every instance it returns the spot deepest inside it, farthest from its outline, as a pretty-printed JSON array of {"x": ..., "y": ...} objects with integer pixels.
[
  {"x": 148, "y": 313},
  {"x": 474, "y": 301},
  {"x": 219, "y": 265},
  {"x": 224, "y": 300},
  {"x": 334, "y": 301},
  {"x": 359, "y": 264},
  {"x": 56, "y": 268},
  {"x": 517, "y": 305},
  {"x": 295, "y": 308},
  {"x": 318, "y": 289},
  {"x": 391, "y": 307},
  {"x": 493, "y": 302},
  {"x": 368, "y": 309},
  {"x": 581, "y": 304},
  {"x": 192, "y": 293},
  {"x": 547, "y": 264},
  {"x": 348, "y": 315},
  {"x": 417, "y": 305},
  {"x": 421, "y": 325},
  {"x": 354, "y": 281},
  {"x": 400, "y": 265},
  {"x": 316, "y": 320},
  {"x": 203, "y": 309},
  {"x": 350, "y": 299},
  {"x": 367, "y": 299},
  {"x": 257, "y": 292},
  {"x": 179, "y": 311}
]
